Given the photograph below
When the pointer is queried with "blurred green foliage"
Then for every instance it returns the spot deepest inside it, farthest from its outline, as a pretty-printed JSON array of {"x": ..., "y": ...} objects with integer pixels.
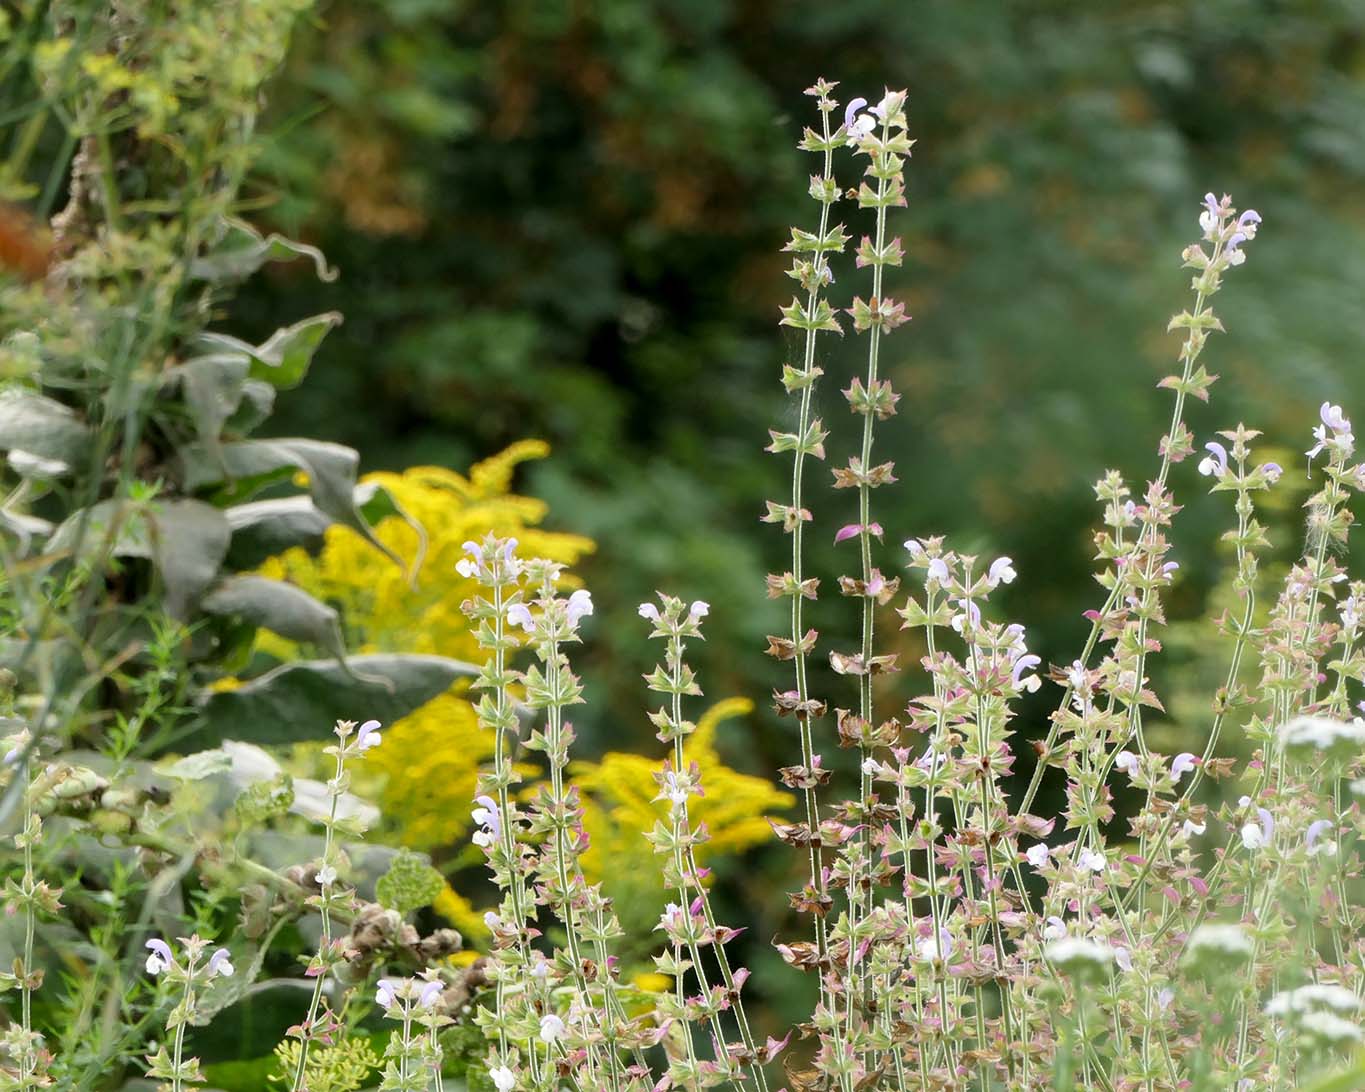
[{"x": 562, "y": 220}]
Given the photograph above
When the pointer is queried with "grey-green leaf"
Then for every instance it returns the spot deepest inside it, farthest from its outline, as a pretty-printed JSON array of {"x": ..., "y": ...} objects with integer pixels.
[
  {"x": 279, "y": 607},
  {"x": 242, "y": 250},
  {"x": 303, "y": 700},
  {"x": 43, "y": 427},
  {"x": 283, "y": 359}
]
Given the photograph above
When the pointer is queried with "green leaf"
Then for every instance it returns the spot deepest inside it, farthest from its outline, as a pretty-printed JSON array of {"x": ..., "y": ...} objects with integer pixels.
[
  {"x": 409, "y": 884},
  {"x": 280, "y": 607},
  {"x": 262, "y": 529},
  {"x": 41, "y": 426},
  {"x": 304, "y": 700},
  {"x": 242, "y": 250},
  {"x": 282, "y": 361}
]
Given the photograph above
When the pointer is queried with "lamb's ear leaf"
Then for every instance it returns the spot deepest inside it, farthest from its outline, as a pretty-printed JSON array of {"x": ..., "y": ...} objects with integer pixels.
[
  {"x": 250, "y": 465},
  {"x": 283, "y": 359},
  {"x": 280, "y": 607},
  {"x": 262, "y": 529},
  {"x": 185, "y": 539},
  {"x": 43, "y": 427},
  {"x": 304, "y": 700},
  {"x": 241, "y": 250}
]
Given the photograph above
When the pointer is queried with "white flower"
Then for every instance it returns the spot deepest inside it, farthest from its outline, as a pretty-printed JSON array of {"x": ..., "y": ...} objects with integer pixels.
[
  {"x": 1001, "y": 571},
  {"x": 937, "y": 573},
  {"x": 1055, "y": 929},
  {"x": 1092, "y": 860},
  {"x": 1164, "y": 998},
  {"x": 1316, "y": 996},
  {"x": 160, "y": 958},
  {"x": 870, "y": 767},
  {"x": 467, "y": 568},
  {"x": 551, "y": 1028},
  {"x": 1191, "y": 827},
  {"x": 384, "y": 996},
  {"x": 578, "y": 606},
  {"x": 327, "y": 875},
  {"x": 1309, "y": 736},
  {"x": 936, "y": 947},
  {"x": 1123, "y": 959},
  {"x": 699, "y": 609},
  {"x": 649, "y": 612},
  {"x": 915, "y": 547},
  {"x": 1037, "y": 855},
  {"x": 1330, "y": 1028},
  {"x": 1252, "y": 838},
  {"x": 1127, "y": 762},
  {"x": 519, "y": 614},
  {"x": 492, "y": 921},
  {"x": 1228, "y": 941},
  {"x": 504, "y": 1080},
  {"x": 220, "y": 964},
  {"x": 1077, "y": 953}
]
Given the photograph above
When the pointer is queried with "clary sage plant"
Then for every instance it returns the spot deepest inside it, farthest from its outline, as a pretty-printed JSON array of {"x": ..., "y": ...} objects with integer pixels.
[{"x": 1183, "y": 921}]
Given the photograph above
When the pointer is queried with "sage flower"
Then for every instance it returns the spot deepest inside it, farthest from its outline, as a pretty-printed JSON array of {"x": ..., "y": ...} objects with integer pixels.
[
  {"x": 160, "y": 958},
  {"x": 551, "y": 1028},
  {"x": 1001, "y": 571},
  {"x": 486, "y": 815},
  {"x": 1037, "y": 855},
  {"x": 368, "y": 736},
  {"x": 1182, "y": 764},
  {"x": 504, "y": 1080},
  {"x": 578, "y": 606},
  {"x": 220, "y": 964},
  {"x": 1215, "y": 463}
]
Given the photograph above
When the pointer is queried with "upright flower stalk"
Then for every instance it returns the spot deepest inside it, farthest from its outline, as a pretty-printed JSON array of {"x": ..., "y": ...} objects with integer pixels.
[
  {"x": 412, "y": 1059},
  {"x": 1139, "y": 569},
  {"x": 320, "y": 1023},
  {"x": 690, "y": 923},
  {"x": 191, "y": 972},
  {"x": 812, "y": 316},
  {"x": 519, "y": 974}
]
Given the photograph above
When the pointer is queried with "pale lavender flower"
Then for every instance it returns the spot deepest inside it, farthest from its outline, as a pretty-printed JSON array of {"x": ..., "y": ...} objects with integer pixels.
[
  {"x": 1316, "y": 829},
  {"x": 938, "y": 573},
  {"x": 915, "y": 547},
  {"x": 1255, "y": 836},
  {"x": 1031, "y": 683},
  {"x": 938, "y": 947},
  {"x": 1272, "y": 472},
  {"x": 1182, "y": 764},
  {"x": 1037, "y": 855},
  {"x": 1164, "y": 998},
  {"x": 699, "y": 610},
  {"x": 220, "y": 964},
  {"x": 430, "y": 992},
  {"x": 1055, "y": 929},
  {"x": 160, "y": 958},
  {"x": 519, "y": 614},
  {"x": 1214, "y": 464},
  {"x": 384, "y": 996},
  {"x": 368, "y": 736},
  {"x": 851, "y": 109},
  {"x": 326, "y": 876},
  {"x": 1189, "y": 827},
  {"x": 1001, "y": 571},
  {"x": 504, "y": 1080},
  {"x": 1127, "y": 762},
  {"x": 1092, "y": 860},
  {"x": 578, "y": 606},
  {"x": 649, "y": 612},
  {"x": 970, "y": 615},
  {"x": 487, "y": 816},
  {"x": 1123, "y": 959}
]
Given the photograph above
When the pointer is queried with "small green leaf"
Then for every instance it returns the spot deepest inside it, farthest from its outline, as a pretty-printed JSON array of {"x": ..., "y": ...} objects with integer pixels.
[
  {"x": 409, "y": 884},
  {"x": 282, "y": 361}
]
